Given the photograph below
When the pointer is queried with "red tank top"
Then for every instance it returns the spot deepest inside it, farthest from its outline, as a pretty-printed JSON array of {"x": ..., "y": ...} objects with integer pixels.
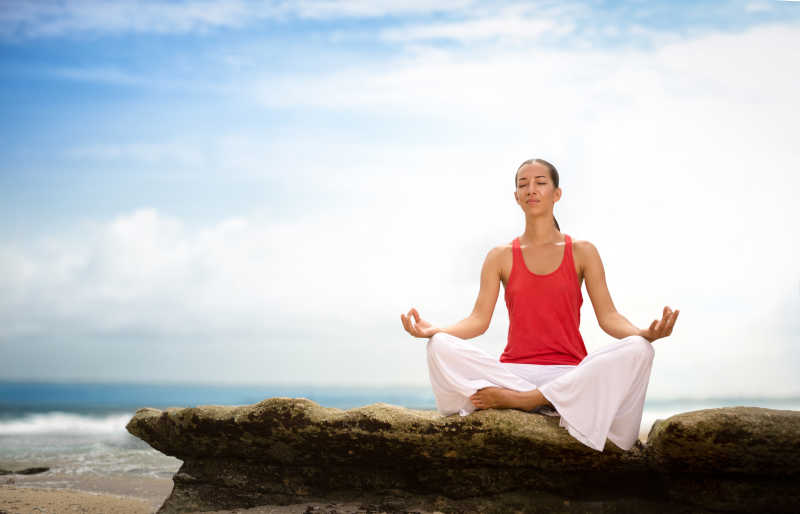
[{"x": 544, "y": 313}]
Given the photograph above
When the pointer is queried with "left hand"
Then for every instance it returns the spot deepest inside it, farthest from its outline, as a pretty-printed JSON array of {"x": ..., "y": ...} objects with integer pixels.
[{"x": 661, "y": 328}]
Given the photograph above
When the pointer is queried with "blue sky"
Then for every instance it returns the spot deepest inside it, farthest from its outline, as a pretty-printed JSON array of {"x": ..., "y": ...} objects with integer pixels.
[{"x": 234, "y": 191}]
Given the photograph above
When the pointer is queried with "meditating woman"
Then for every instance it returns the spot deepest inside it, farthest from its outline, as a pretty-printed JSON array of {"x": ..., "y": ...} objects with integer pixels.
[{"x": 545, "y": 365}]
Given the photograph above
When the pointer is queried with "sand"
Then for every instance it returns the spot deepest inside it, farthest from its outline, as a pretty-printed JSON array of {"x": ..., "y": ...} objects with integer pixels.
[
  {"x": 56, "y": 493},
  {"x": 26, "y": 500}
]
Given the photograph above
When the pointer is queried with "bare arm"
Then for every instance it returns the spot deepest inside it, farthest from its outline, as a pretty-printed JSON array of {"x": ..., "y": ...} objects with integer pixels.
[
  {"x": 612, "y": 322},
  {"x": 478, "y": 321}
]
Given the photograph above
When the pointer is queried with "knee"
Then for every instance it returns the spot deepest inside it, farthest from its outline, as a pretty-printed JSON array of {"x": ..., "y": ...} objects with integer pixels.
[
  {"x": 438, "y": 343},
  {"x": 641, "y": 346}
]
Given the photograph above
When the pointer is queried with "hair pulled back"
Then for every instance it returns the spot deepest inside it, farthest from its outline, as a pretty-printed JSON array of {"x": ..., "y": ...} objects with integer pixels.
[{"x": 553, "y": 176}]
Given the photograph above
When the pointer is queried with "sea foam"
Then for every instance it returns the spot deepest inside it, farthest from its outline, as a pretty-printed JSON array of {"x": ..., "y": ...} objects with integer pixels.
[{"x": 65, "y": 423}]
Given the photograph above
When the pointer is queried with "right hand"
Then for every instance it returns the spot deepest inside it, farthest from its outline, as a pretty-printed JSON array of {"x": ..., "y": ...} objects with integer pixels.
[{"x": 417, "y": 326}]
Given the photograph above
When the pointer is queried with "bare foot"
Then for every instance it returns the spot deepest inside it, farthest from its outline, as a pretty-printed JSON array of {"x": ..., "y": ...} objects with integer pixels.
[{"x": 502, "y": 398}]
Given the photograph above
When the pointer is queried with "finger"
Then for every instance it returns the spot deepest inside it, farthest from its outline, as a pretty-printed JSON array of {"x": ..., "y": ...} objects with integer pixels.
[
  {"x": 406, "y": 323},
  {"x": 672, "y": 320},
  {"x": 651, "y": 329},
  {"x": 410, "y": 327},
  {"x": 416, "y": 314},
  {"x": 410, "y": 316},
  {"x": 668, "y": 325},
  {"x": 659, "y": 326}
]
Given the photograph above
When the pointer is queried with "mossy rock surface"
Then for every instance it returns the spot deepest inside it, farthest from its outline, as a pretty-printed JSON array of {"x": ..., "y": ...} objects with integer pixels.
[{"x": 731, "y": 440}]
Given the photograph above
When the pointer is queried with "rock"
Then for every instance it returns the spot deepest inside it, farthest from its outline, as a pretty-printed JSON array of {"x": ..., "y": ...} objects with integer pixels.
[
  {"x": 283, "y": 451},
  {"x": 26, "y": 471},
  {"x": 32, "y": 471},
  {"x": 753, "y": 455},
  {"x": 748, "y": 440}
]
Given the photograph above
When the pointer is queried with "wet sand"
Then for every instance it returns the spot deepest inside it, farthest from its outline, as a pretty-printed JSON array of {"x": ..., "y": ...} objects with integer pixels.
[{"x": 49, "y": 492}]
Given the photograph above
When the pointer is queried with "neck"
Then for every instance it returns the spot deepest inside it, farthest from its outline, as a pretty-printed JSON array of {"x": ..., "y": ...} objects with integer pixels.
[{"x": 540, "y": 230}]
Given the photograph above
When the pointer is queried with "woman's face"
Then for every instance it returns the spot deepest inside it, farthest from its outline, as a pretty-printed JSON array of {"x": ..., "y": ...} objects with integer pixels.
[{"x": 535, "y": 189}]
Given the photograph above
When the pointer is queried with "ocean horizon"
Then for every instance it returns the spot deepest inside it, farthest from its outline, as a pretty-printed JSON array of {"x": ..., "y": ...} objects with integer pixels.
[{"x": 77, "y": 428}]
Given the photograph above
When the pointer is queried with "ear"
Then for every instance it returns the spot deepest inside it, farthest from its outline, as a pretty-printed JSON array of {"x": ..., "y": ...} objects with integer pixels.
[
  {"x": 516, "y": 197},
  {"x": 557, "y": 195}
]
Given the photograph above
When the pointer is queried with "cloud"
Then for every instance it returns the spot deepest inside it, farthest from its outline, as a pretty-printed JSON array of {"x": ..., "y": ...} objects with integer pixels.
[
  {"x": 167, "y": 155},
  {"x": 513, "y": 23},
  {"x": 48, "y": 18},
  {"x": 459, "y": 20}
]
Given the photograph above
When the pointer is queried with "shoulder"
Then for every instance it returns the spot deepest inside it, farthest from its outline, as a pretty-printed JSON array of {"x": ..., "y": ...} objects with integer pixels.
[
  {"x": 499, "y": 252},
  {"x": 585, "y": 252},
  {"x": 583, "y": 247},
  {"x": 500, "y": 257}
]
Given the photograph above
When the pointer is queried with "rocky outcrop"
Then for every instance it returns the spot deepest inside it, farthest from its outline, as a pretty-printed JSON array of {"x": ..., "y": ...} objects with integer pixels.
[
  {"x": 283, "y": 451},
  {"x": 733, "y": 459}
]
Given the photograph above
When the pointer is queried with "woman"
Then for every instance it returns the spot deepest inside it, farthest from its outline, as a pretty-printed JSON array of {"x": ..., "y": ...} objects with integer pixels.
[{"x": 545, "y": 365}]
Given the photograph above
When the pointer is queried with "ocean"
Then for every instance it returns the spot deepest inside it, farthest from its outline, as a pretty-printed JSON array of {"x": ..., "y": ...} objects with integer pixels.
[{"x": 78, "y": 429}]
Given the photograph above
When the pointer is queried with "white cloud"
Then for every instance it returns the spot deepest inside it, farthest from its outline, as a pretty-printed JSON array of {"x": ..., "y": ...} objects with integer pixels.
[
  {"x": 144, "y": 153},
  {"x": 48, "y": 18},
  {"x": 326, "y": 9},
  {"x": 507, "y": 27}
]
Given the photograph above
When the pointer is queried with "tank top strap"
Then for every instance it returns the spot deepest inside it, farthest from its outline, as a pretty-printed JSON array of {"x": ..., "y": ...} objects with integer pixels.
[
  {"x": 516, "y": 260},
  {"x": 569, "y": 258}
]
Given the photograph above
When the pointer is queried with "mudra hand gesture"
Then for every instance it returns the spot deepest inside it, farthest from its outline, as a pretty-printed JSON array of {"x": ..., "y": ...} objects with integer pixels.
[
  {"x": 417, "y": 326},
  {"x": 661, "y": 328}
]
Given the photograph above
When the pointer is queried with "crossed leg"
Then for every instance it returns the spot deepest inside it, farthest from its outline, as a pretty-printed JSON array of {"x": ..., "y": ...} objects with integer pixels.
[
  {"x": 465, "y": 378},
  {"x": 502, "y": 398},
  {"x": 601, "y": 397}
]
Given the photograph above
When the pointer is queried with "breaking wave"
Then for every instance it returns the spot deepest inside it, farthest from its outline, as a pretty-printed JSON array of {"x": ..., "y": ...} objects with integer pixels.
[{"x": 65, "y": 423}]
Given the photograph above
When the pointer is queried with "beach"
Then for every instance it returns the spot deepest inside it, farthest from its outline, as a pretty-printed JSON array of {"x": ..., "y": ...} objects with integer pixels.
[
  {"x": 82, "y": 493},
  {"x": 19, "y": 500}
]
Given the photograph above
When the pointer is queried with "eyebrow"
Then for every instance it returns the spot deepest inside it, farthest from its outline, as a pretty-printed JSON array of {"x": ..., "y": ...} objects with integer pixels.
[{"x": 526, "y": 178}]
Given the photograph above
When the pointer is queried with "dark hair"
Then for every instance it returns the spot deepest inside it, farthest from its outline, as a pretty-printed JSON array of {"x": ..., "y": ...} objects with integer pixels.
[{"x": 553, "y": 176}]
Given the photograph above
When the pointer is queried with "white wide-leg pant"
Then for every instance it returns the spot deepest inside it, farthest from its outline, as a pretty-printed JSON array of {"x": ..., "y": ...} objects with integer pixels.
[{"x": 602, "y": 397}]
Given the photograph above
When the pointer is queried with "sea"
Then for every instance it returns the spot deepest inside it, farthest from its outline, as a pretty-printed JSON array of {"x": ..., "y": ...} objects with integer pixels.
[{"x": 78, "y": 429}]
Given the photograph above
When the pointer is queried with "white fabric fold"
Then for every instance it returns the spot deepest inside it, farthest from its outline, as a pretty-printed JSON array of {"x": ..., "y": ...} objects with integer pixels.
[{"x": 600, "y": 398}]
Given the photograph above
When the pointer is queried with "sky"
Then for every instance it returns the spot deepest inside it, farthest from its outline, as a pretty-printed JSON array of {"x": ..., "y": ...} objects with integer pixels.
[{"x": 237, "y": 192}]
